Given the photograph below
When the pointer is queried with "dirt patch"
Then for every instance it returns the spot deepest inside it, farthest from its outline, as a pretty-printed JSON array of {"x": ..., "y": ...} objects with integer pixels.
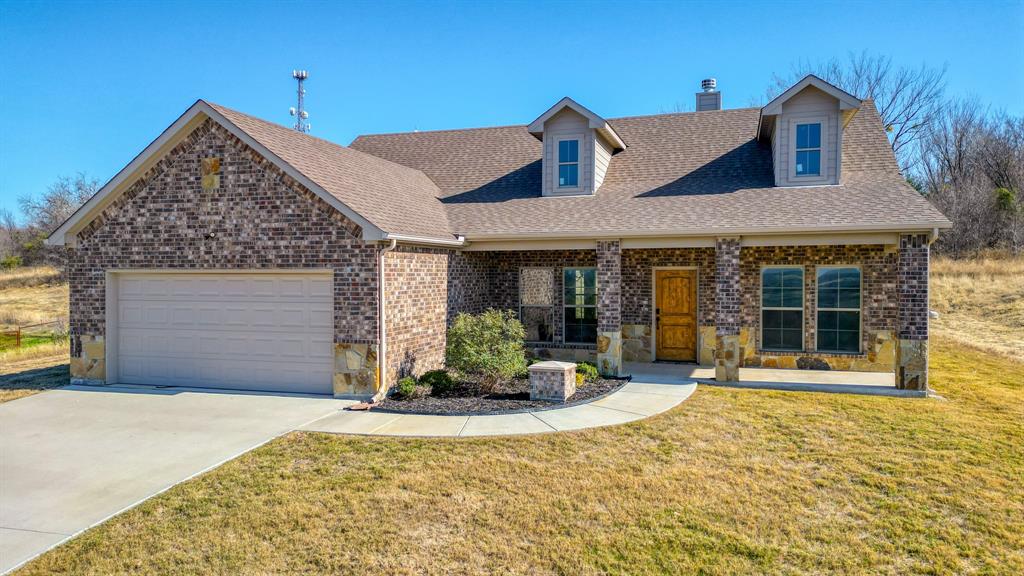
[{"x": 512, "y": 396}]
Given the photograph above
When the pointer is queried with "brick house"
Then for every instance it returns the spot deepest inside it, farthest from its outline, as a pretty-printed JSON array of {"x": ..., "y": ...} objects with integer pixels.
[{"x": 237, "y": 253}]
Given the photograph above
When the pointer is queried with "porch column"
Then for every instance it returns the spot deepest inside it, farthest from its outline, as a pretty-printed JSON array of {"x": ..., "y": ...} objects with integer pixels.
[
  {"x": 912, "y": 287},
  {"x": 727, "y": 309},
  {"x": 609, "y": 307}
]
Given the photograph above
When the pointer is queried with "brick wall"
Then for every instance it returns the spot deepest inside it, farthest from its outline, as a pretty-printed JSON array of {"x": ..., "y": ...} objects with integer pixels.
[
  {"x": 637, "y": 293},
  {"x": 609, "y": 286},
  {"x": 727, "y": 286},
  {"x": 256, "y": 218},
  {"x": 469, "y": 284},
  {"x": 913, "y": 287},
  {"x": 878, "y": 284},
  {"x": 504, "y": 277},
  {"x": 416, "y": 293}
]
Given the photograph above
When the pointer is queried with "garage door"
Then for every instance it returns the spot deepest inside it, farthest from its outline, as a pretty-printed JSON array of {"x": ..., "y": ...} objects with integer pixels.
[{"x": 260, "y": 331}]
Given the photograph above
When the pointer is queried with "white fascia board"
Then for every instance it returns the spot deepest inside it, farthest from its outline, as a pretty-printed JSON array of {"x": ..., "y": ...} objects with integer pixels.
[
  {"x": 718, "y": 232},
  {"x": 104, "y": 196},
  {"x": 847, "y": 101},
  {"x": 593, "y": 121}
]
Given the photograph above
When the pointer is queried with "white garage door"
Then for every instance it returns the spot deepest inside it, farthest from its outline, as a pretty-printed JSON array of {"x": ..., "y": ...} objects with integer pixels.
[{"x": 260, "y": 331}]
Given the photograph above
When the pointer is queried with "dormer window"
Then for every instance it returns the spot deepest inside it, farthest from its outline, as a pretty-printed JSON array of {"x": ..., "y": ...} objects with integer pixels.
[
  {"x": 808, "y": 149},
  {"x": 568, "y": 163}
]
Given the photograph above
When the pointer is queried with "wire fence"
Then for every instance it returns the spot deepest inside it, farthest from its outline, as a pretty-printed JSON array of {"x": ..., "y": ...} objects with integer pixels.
[{"x": 52, "y": 332}]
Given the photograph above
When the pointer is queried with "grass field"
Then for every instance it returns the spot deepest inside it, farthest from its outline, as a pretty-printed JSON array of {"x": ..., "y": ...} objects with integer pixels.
[
  {"x": 28, "y": 296},
  {"x": 729, "y": 482}
]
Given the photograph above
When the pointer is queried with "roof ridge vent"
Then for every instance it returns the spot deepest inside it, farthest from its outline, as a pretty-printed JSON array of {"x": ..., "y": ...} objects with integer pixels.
[{"x": 710, "y": 98}]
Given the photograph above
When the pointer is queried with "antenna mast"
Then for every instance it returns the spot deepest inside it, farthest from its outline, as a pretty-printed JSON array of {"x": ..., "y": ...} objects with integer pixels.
[{"x": 301, "y": 116}]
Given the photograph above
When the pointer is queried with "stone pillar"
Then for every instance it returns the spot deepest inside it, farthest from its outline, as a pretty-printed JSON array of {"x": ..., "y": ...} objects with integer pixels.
[
  {"x": 912, "y": 287},
  {"x": 727, "y": 309},
  {"x": 609, "y": 307}
]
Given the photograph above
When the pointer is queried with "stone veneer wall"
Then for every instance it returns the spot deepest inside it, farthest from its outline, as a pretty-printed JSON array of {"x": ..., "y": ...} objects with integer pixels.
[
  {"x": 727, "y": 309},
  {"x": 638, "y": 294},
  {"x": 609, "y": 307},
  {"x": 252, "y": 217},
  {"x": 879, "y": 306}
]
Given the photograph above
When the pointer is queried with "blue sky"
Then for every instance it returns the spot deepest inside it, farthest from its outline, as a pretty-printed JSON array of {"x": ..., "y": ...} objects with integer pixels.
[{"x": 86, "y": 86}]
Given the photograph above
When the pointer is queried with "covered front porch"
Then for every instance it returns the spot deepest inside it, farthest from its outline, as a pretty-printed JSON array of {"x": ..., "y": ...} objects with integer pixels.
[
  {"x": 831, "y": 381},
  {"x": 843, "y": 310}
]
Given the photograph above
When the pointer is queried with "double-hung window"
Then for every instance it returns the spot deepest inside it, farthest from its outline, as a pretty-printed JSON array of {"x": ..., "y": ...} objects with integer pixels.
[
  {"x": 568, "y": 163},
  {"x": 808, "y": 149},
  {"x": 782, "y": 308},
  {"x": 580, "y": 290},
  {"x": 537, "y": 303},
  {"x": 839, "y": 300}
]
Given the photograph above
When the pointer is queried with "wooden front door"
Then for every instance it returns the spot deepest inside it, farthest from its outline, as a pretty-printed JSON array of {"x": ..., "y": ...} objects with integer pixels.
[{"x": 675, "y": 315}]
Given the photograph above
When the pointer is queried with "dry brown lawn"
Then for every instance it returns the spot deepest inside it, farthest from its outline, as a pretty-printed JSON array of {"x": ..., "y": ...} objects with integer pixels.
[
  {"x": 980, "y": 303},
  {"x": 729, "y": 482},
  {"x": 31, "y": 295}
]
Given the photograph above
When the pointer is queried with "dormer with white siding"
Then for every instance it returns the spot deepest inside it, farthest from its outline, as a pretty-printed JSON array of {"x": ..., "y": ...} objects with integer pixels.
[
  {"x": 805, "y": 127},
  {"x": 578, "y": 145}
]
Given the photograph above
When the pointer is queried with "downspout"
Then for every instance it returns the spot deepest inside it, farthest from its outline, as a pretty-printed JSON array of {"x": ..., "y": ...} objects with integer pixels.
[{"x": 382, "y": 345}]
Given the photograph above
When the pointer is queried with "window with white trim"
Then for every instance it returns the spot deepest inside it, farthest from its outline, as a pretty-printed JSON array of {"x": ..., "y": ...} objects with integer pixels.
[
  {"x": 537, "y": 303},
  {"x": 839, "y": 302},
  {"x": 568, "y": 163},
  {"x": 808, "y": 149},
  {"x": 580, "y": 291},
  {"x": 782, "y": 308}
]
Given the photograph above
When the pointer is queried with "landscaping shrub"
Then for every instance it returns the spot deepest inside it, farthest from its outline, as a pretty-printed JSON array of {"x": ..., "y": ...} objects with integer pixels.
[
  {"x": 440, "y": 382},
  {"x": 407, "y": 387},
  {"x": 488, "y": 344},
  {"x": 588, "y": 370},
  {"x": 581, "y": 380}
]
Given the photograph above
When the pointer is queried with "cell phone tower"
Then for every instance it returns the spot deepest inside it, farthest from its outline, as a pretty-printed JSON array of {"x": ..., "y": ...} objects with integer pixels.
[{"x": 301, "y": 116}]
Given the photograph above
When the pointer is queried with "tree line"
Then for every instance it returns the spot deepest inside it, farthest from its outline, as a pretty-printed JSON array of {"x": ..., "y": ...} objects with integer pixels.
[{"x": 966, "y": 158}]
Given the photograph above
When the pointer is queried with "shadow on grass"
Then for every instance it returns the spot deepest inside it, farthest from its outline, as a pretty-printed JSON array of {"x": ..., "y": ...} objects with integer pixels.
[{"x": 18, "y": 384}]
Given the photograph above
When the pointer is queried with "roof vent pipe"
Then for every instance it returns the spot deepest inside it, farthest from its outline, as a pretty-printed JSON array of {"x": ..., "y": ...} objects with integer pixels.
[{"x": 710, "y": 98}]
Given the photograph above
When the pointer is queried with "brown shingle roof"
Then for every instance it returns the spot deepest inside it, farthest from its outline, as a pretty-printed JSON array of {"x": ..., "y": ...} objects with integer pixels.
[
  {"x": 690, "y": 173},
  {"x": 394, "y": 198}
]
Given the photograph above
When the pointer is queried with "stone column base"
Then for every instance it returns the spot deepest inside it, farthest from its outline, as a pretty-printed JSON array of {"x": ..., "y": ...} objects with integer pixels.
[
  {"x": 355, "y": 370},
  {"x": 912, "y": 365},
  {"x": 727, "y": 358},
  {"x": 609, "y": 353},
  {"x": 90, "y": 367}
]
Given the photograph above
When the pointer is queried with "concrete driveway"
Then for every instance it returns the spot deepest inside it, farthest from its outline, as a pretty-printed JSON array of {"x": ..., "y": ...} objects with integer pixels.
[{"x": 73, "y": 457}]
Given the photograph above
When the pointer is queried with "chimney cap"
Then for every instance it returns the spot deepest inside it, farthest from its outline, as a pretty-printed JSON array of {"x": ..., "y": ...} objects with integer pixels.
[{"x": 709, "y": 84}]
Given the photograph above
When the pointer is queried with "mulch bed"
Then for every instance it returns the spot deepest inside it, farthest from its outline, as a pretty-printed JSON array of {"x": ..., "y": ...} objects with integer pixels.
[{"x": 511, "y": 396}]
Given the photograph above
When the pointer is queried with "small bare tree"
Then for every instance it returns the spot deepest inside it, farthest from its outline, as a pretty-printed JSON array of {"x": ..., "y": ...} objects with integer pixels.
[
  {"x": 43, "y": 214},
  {"x": 907, "y": 98}
]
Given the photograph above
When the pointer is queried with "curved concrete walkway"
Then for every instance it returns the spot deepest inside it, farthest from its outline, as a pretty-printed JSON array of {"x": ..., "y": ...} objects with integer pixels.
[{"x": 647, "y": 394}]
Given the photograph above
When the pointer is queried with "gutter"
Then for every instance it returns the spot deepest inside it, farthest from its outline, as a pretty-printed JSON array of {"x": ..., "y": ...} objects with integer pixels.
[
  {"x": 382, "y": 346},
  {"x": 459, "y": 240}
]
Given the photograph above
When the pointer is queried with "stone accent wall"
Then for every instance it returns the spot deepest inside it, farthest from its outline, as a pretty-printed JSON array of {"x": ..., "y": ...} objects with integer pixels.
[
  {"x": 256, "y": 217},
  {"x": 912, "y": 351},
  {"x": 416, "y": 309},
  {"x": 727, "y": 309}
]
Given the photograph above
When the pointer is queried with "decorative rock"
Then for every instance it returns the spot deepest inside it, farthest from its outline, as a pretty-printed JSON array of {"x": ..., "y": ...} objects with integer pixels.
[{"x": 554, "y": 381}]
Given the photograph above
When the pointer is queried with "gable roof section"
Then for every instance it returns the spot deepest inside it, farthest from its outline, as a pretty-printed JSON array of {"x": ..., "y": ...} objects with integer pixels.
[
  {"x": 384, "y": 198},
  {"x": 847, "y": 101},
  {"x": 698, "y": 173},
  {"x": 594, "y": 121}
]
